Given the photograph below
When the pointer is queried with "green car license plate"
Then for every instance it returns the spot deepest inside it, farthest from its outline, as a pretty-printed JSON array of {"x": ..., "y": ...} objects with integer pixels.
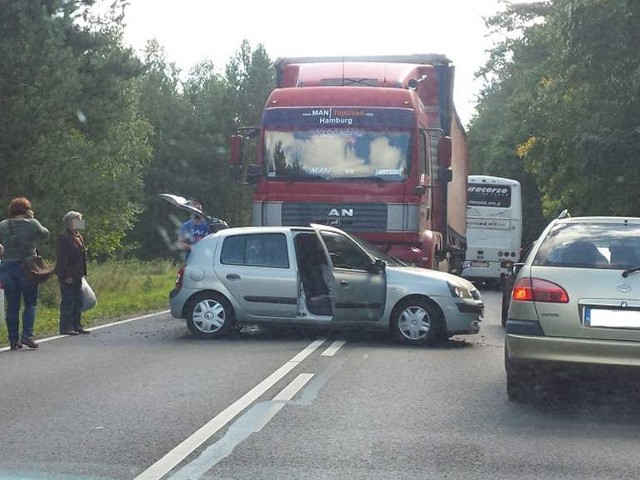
[{"x": 610, "y": 318}]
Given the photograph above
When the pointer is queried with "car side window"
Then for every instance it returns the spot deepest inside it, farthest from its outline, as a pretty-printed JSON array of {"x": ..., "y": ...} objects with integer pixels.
[
  {"x": 256, "y": 250},
  {"x": 345, "y": 253}
]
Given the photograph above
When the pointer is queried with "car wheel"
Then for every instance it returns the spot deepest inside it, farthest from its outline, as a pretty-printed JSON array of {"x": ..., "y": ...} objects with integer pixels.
[
  {"x": 417, "y": 322},
  {"x": 210, "y": 315},
  {"x": 505, "y": 310},
  {"x": 519, "y": 383}
]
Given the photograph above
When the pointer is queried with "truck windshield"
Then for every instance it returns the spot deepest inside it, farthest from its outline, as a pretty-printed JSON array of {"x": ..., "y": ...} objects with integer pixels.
[{"x": 337, "y": 153}]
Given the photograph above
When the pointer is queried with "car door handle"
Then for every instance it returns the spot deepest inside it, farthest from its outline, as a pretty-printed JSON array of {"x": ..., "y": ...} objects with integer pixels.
[
  {"x": 344, "y": 283},
  {"x": 233, "y": 276}
]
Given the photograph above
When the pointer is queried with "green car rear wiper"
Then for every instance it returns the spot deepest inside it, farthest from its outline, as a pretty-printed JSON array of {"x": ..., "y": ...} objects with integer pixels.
[{"x": 626, "y": 273}]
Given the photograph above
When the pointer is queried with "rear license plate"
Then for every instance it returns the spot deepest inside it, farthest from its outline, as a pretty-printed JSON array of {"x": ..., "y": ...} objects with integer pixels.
[
  {"x": 480, "y": 264},
  {"x": 608, "y": 318}
]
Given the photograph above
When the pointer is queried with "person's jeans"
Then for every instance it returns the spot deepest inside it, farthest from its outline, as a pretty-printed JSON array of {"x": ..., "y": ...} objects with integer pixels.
[
  {"x": 17, "y": 288},
  {"x": 70, "y": 306}
]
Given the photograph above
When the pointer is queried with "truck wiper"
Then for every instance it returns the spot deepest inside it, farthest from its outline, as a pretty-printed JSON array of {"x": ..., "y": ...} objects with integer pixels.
[{"x": 626, "y": 273}]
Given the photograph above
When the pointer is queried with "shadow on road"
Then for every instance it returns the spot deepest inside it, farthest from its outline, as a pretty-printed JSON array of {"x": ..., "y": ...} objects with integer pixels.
[
  {"x": 353, "y": 336},
  {"x": 614, "y": 399}
]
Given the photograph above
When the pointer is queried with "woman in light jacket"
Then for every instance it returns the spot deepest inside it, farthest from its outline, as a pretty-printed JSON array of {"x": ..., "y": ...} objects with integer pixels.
[
  {"x": 19, "y": 235},
  {"x": 71, "y": 267}
]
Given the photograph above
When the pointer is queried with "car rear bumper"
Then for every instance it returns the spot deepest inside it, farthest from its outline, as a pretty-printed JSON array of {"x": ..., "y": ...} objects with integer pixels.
[
  {"x": 523, "y": 348},
  {"x": 177, "y": 299}
]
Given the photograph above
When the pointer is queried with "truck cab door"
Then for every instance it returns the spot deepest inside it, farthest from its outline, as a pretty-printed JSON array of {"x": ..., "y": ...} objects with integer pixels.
[{"x": 357, "y": 284}]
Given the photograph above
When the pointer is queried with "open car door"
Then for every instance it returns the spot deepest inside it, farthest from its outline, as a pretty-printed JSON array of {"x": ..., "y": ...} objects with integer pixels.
[{"x": 359, "y": 282}]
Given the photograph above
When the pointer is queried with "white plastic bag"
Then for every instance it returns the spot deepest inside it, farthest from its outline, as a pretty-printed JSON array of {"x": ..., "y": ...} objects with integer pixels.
[{"x": 89, "y": 299}]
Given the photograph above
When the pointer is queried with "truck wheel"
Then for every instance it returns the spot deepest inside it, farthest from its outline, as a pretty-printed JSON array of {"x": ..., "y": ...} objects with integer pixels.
[
  {"x": 416, "y": 321},
  {"x": 209, "y": 315}
]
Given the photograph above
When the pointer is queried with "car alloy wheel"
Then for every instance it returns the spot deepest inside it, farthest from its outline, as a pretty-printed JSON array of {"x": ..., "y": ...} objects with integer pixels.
[
  {"x": 209, "y": 315},
  {"x": 416, "y": 321}
]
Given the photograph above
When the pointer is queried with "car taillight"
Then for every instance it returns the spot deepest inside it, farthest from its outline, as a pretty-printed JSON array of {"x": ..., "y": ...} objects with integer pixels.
[
  {"x": 538, "y": 290},
  {"x": 179, "y": 277}
]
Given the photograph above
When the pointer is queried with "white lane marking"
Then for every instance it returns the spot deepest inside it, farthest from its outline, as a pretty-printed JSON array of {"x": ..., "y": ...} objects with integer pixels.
[
  {"x": 120, "y": 322},
  {"x": 184, "y": 449},
  {"x": 252, "y": 421},
  {"x": 106, "y": 325},
  {"x": 283, "y": 397},
  {"x": 333, "y": 348}
]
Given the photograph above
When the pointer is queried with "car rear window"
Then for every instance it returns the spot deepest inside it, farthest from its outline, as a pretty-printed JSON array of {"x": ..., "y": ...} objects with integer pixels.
[
  {"x": 256, "y": 250},
  {"x": 591, "y": 245}
]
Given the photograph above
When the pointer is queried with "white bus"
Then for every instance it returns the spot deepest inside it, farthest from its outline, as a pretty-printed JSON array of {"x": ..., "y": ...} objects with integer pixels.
[{"x": 494, "y": 227}]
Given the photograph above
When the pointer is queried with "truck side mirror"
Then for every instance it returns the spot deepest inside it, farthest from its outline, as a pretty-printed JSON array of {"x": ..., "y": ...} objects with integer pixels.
[
  {"x": 444, "y": 152},
  {"x": 254, "y": 172},
  {"x": 235, "y": 147},
  {"x": 235, "y": 159},
  {"x": 446, "y": 175}
]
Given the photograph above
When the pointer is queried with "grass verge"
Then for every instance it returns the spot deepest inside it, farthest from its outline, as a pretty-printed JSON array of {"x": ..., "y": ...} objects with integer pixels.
[{"x": 123, "y": 289}]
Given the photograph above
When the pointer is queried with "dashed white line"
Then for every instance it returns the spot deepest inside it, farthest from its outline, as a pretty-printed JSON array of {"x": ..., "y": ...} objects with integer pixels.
[
  {"x": 250, "y": 422},
  {"x": 333, "y": 348},
  {"x": 284, "y": 396},
  {"x": 184, "y": 449}
]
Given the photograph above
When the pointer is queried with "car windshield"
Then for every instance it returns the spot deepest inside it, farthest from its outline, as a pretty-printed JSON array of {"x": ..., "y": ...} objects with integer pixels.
[
  {"x": 591, "y": 245},
  {"x": 379, "y": 254}
]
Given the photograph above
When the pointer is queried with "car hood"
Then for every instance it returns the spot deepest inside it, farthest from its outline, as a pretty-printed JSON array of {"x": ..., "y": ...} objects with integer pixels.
[{"x": 437, "y": 281}]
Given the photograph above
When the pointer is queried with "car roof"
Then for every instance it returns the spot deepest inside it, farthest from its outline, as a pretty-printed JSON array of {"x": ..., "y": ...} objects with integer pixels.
[
  {"x": 273, "y": 229},
  {"x": 599, "y": 219}
]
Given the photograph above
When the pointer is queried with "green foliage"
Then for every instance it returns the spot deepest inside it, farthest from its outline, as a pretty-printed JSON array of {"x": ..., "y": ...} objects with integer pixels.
[
  {"x": 88, "y": 126},
  {"x": 192, "y": 120},
  {"x": 71, "y": 136},
  {"x": 560, "y": 108}
]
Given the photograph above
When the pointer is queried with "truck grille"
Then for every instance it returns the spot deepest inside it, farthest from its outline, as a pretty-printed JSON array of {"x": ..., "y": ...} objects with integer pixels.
[{"x": 353, "y": 217}]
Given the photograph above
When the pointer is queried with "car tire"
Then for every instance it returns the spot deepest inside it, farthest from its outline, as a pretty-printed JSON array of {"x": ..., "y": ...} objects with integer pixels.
[
  {"x": 504, "y": 312},
  {"x": 416, "y": 321},
  {"x": 209, "y": 315},
  {"x": 519, "y": 382}
]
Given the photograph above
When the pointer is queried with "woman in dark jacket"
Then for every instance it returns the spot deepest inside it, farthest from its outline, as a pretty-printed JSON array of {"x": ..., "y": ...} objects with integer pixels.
[
  {"x": 71, "y": 267},
  {"x": 19, "y": 234}
]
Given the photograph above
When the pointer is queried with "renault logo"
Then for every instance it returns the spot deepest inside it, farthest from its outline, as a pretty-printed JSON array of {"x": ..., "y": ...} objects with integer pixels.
[{"x": 624, "y": 287}]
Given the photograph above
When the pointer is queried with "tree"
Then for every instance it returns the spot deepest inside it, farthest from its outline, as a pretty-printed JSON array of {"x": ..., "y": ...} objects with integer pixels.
[
  {"x": 562, "y": 94},
  {"x": 193, "y": 120},
  {"x": 70, "y": 133}
]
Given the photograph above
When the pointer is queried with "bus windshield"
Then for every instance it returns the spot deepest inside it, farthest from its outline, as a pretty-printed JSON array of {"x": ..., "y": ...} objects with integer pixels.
[
  {"x": 489, "y": 196},
  {"x": 336, "y": 153}
]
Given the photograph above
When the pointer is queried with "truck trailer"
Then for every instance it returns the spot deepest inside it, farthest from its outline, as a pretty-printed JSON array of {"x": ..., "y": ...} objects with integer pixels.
[{"x": 370, "y": 144}]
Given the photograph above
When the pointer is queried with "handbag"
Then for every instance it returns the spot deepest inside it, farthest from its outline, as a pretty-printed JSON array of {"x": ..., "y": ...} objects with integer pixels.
[
  {"x": 35, "y": 268},
  {"x": 89, "y": 299}
]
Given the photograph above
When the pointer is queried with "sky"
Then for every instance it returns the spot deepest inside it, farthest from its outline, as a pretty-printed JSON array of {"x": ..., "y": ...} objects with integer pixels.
[{"x": 191, "y": 31}]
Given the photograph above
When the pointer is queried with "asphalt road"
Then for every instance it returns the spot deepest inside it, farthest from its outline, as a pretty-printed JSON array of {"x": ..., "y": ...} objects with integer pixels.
[{"x": 144, "y": 399}]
